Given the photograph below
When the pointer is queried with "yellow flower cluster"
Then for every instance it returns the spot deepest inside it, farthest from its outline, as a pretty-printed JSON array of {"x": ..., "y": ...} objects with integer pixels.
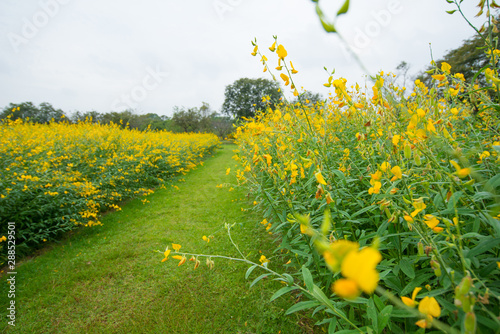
[{"x": 60, "y": 175}]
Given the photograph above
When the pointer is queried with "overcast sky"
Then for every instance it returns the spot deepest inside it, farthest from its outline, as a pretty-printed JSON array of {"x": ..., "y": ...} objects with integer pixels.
[{"x": 156, "y": 54}]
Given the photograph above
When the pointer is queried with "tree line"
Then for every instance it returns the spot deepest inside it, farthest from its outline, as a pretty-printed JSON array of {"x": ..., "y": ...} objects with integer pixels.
[{"x": 242, "y": 99}]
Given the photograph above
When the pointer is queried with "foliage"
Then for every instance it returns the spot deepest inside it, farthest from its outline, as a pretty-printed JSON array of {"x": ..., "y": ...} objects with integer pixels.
[
  {"x": 107, "y": 280},
  {"x": 244, "y": 97},
  {"x": 44, "y": 113},
  {"x": 375, "y": 196},
  {"x": 57, "y": 176},
  {"x": 467, "y": 59}
]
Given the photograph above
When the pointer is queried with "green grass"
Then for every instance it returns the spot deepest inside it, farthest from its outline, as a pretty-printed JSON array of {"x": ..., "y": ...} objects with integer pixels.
[{"x": 109, "y": 279}]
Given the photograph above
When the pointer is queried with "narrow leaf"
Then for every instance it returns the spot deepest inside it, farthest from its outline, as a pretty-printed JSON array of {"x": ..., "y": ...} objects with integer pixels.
[
  {"x": 282, "y": 291},
  {"x": 344, "y": 8},
  {"x": 249, "y": 271},
  {"x": 307, "y": 278}
]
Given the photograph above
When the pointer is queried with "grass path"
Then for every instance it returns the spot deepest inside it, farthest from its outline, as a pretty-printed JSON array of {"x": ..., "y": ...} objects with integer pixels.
[{"x": 109, "y": 279}]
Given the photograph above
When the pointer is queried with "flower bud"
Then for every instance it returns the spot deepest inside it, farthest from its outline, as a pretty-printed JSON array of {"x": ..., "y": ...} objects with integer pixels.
[
  {"x": 407, "y": 150},
  {"x": 436, "y": 267},
  {"x": 470, "y": 323},
  {"x": 464, "y": 286},
  {"x": 421, "y": 249},
  {"x": 417, "y": 160}
]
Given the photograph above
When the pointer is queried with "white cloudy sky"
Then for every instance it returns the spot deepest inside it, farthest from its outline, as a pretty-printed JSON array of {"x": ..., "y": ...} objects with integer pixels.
[{"x": 156, "y": 54}]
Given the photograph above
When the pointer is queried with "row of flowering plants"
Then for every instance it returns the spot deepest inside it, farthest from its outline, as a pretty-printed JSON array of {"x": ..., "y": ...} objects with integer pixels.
[
  {"x": 384, "y": 203},
  {"x": 56, "y": 176}
]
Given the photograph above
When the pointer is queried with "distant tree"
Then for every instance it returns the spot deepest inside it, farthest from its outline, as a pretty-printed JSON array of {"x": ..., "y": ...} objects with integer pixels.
[
  {"x": 467, "y": 59},
  {"x": 187, "y": 120},
  {"x": 244, "y": 97},
  {"x": 221, "y": 125},
  {"x": 193, "y": 119},
  {"x": 92, "y": 116},
  {"x": 308, "y": 98},
  {"x": 45, "y": 113},
  {"x": 402, "y": 71}
]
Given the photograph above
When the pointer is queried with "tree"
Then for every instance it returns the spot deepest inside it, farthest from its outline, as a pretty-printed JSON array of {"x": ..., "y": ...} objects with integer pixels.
[
  {"x": 403, "y": 69},
  {"x": 308, "y": 98},
  {"x": 244, "y": 97},
  {"x": 467, "y": 59},
  {"x": 45, "y": 113}
]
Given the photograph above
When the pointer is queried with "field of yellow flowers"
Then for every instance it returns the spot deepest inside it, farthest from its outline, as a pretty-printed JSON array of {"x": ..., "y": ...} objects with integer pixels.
[
  {"x": 384, "y": 203},
  {"x": 56, "y": 176}
]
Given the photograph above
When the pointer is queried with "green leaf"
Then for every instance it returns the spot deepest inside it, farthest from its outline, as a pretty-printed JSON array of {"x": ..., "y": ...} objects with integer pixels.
[
  {"x": 249, "y": 271},
  {"x": 368, "y": 208},
  {"x": 282, "y": 291},
  {"x": 384, "y": 317},
  {"x": 407, "y": 268},
  {"x": 493, "y": 183},
  {"x": 258, "y": 279},
  {"x": 307, "y": 278},
  {"x": 451, "y": 11},
  {"x": 486, "y": 244},
  {"x": 329, "y": 27},
  {"x": 302, "y": 306},
  {"x": 344, "y": 8},
  {"x": 371, "y": 312},
  {"x": 452, "y": 202},
  {"x": 288, "y": 278},
  {"x": 333, "y": 326}
]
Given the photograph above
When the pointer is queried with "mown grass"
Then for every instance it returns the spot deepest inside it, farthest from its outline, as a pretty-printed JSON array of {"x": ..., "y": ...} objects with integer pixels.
[{"x": 109, "y": 279}]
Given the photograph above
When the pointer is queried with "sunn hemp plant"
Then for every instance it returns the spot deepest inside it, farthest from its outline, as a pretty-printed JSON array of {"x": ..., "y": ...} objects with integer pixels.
[{"x": 383, "y": 203}]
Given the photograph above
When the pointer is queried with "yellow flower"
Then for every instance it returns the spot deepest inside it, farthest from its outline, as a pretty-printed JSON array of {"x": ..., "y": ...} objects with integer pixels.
[
  {"x": 430, "y": 308},
  {"x": 166, "y": 253},
  {"x": 408, "y": 218},
  {"x": 411, "y": 302},
  {"x": 269, "y": 159},
  {"x": 273, "y": 47},
  {"x": 263, "y": 259},
  {"x": 375, "y": 176},
  {"x": 254, "y": 53},
  {"x": 346, "y": 288},
  {"x": 461, "y": 172},
  {"x": 294, "y": 71},
  {"x": 228, "y": 171},
  {"x": 395, "y": 139},
  {"x": 439, "y": 77},
  {"x": 205, "y": 238},
  {"x": 285, "y": 78},
  {"x": 176, "y": 247},
  {"x": 264, "y": 222},
  {"x": 3, "y": 238},
  {"x": 419, "y": 205},
  {"x": 337, "y": 251},
  {"x": 398, "y": 174},
  {"x": 360, "y": 267},
  {"x": 445, "y": 67},
  {"x": 432, "y": 223},
  {"x": 376, "y": 188},
  {"x": 384, "y": 166},
  {"x": 181, "y": 258},
  {"x": 281, "y": 52},
  {"x": 320, "y": 178}
]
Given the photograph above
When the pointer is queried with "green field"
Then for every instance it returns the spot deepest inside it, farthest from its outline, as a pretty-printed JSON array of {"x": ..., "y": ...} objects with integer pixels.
[{"x": 110, "y": 279}]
